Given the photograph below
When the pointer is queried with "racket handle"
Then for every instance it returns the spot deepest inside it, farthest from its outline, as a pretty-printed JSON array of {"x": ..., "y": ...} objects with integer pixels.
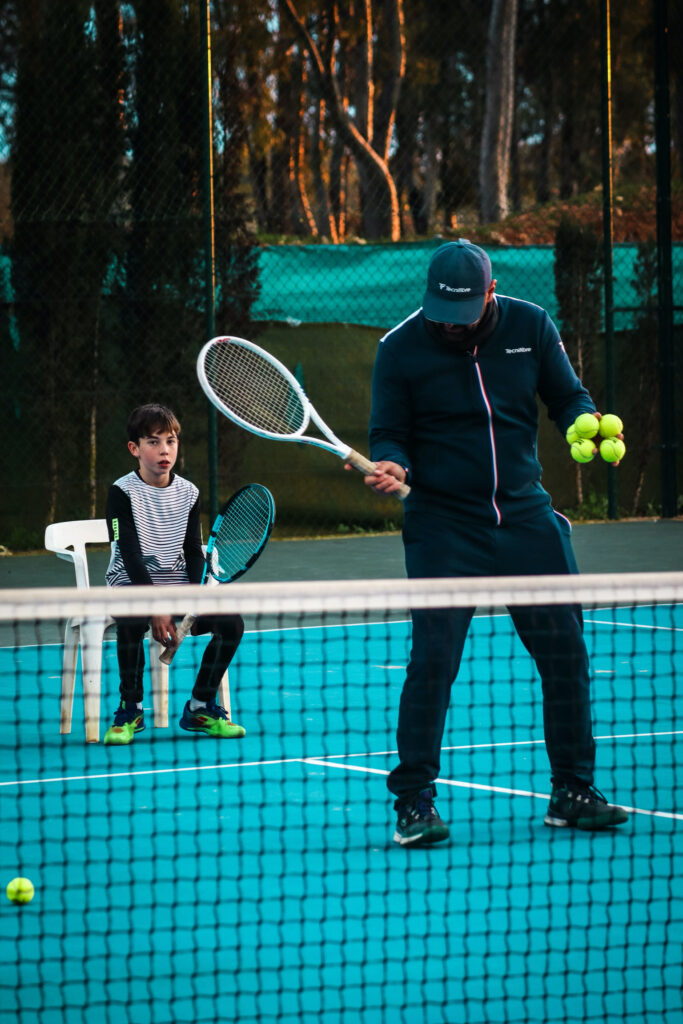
[
  {"x": 366, "y": 467},
  {"x": 183, "y": 629}
]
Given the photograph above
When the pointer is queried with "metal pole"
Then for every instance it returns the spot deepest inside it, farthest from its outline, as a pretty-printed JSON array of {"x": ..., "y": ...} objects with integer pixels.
[
  {"x": 608, "y": 235},
  {"x": 209, "y": 241},
  {"x": 667, "y": 397}
]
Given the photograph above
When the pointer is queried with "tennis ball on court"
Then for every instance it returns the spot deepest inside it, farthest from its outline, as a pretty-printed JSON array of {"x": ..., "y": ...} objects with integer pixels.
[
  {"x": 571, "y": 435},
  {"x": 612, "y": 449},
  {"x": 20, "y": 890},
  {"x": 586, "y": 425},
  {"x": 582, "y": 450},
  {"x": 610, "y": 425}
]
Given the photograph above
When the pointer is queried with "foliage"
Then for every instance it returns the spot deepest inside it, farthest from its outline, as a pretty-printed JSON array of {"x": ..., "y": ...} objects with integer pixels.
[
  {"x": 108, "y": 265},
  {"x": 102, "y": 139},
  {"x": 578, "y": 271},
  {"x": 593, "y": 506},
  {"x": 642, "y": 355},
  {"x": 63, "y": 236}
]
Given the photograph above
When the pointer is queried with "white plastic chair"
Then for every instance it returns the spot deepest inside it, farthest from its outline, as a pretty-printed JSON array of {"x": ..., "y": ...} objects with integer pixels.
[{"x": 68, "y": 541}]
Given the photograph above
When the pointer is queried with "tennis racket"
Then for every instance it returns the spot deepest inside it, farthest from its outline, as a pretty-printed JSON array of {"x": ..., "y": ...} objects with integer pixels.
[
  {"x": 238, "y": 536},
  {"x": 256, "y": 391}
]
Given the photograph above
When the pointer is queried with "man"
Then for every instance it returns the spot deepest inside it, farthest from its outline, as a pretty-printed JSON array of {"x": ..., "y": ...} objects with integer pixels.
[{"x": 454, "y": 415}]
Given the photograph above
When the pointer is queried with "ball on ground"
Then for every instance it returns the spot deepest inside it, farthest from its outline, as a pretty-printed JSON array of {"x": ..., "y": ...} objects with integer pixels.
[
  {"x": 586, "y": 425},
  {"x": 610, "y": 425},
  {"x": 582, "y": 450},
  {"x": 571, "y": 435},
  {"x": 612, "y": 449},
  {"x": 20, "y": 890}
]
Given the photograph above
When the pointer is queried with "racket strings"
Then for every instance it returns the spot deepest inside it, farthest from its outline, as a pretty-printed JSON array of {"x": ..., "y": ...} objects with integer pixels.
[
  {"x": 240, "y": 536},
  {"x": 253, "y": 389}
]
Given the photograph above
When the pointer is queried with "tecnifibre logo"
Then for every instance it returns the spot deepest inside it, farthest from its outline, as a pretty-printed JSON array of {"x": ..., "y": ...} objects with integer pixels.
[
  {"x": 447, "y": 288},
  {"x": 515, "y": 351}
]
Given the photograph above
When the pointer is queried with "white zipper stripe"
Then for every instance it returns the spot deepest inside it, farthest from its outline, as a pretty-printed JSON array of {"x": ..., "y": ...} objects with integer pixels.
[
  {"x": 492, "y": 439},
  {"x": 561, "y": 515}
]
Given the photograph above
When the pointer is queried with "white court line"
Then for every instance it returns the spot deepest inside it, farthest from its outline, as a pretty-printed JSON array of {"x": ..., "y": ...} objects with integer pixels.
[
  {"x": 517, "y": 743},
  {"x": 151, "y": 771},
  {"x": 395, "y": 622},
  {"x": 633, "y": 625},
  {"x": 321, "y": 760},
  {"x": 480, "y": 787}
]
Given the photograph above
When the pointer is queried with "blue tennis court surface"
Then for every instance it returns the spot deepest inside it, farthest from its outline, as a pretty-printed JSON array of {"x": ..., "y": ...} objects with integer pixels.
[{"x": 187, "y": 880}]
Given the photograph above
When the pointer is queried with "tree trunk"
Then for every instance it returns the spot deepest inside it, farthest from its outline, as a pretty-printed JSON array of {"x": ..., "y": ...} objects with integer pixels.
[
  {"x": 379, "y": 195},
  {"x": 494, "y": 163},
  {"x": 323, "y": 214}
]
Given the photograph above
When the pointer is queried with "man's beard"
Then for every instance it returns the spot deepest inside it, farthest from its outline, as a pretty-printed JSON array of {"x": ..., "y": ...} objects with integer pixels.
[{"x": 464, "y": 338}]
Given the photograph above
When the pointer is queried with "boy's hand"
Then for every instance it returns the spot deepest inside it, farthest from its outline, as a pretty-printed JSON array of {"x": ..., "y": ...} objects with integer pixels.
[{"x": 163, "y": 630}]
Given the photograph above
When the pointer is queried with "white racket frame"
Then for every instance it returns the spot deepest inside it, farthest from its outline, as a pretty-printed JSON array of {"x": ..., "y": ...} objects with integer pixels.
[{"x": 332, "y": 444}]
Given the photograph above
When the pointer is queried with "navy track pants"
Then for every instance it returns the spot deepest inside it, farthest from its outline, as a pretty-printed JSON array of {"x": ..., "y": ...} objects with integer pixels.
[{"x": 439, "y": 546}]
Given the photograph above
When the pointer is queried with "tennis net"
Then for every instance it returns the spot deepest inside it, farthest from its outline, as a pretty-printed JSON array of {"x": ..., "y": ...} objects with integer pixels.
[{"x": 182, "y": 878}]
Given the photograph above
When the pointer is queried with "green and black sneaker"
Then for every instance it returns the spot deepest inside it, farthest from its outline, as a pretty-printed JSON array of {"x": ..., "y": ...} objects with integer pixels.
[
  {"x": 211, "y": 720},
  {"x": 581, "y": 806},
  {"x": 128, "y": 720},
  {"x": 418, "y": 823}
]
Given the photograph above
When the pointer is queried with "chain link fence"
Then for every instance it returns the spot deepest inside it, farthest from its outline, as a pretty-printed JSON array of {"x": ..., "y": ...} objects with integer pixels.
[{"x": 345, "y": 143}]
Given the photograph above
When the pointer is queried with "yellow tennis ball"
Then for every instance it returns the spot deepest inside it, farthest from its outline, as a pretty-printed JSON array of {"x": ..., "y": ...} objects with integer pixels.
[
  {"x": 612, "y": 449},
  {"x": 582, "y": 450},
  {"x": 20, "y": 890},
  {"x": 610, "y": 425},
  {"x": 586, "y": 425},
  {"x": 571, "y": 435}
]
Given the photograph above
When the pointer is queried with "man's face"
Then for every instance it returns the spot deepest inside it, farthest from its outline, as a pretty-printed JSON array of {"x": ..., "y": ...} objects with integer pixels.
[{"x": 460, "y": 333}]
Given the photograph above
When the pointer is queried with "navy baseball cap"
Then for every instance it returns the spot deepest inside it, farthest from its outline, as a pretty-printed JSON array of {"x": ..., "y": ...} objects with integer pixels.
[{"x": 458, "y": 278}]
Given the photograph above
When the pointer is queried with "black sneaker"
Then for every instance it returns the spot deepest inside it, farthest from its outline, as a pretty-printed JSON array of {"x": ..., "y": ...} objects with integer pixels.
[
  {"x": 582, "y": 806},
  {"x": 418, "y": 823}
]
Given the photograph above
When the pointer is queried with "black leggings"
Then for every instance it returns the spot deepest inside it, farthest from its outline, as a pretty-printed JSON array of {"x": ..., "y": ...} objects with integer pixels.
[{"x": 227, "y": 632}]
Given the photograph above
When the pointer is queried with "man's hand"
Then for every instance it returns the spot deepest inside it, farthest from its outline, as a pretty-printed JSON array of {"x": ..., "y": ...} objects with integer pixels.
[
  {"x": 386, "y": 479},
  {"x": 611, "y": 433},
  {"x": 163, "y": 630}
]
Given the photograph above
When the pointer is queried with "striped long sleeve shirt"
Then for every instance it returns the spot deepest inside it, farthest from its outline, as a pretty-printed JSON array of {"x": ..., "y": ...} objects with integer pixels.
[{"x": 154, "y": 532}]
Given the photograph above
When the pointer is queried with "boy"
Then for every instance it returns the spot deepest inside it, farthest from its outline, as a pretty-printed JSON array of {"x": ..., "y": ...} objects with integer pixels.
[{"x": 153, "y": 519}]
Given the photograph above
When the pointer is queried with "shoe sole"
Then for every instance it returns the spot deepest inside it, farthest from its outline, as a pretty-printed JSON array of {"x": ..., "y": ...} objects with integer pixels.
[
  {"x": 588, "y": 824},
  {"x": 426, "y": 838},
  {"x": 236, "y": 735}
]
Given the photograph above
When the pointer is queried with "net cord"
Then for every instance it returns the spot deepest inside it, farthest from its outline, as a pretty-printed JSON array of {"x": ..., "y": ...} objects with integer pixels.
[{"x": 301, "y": 596}]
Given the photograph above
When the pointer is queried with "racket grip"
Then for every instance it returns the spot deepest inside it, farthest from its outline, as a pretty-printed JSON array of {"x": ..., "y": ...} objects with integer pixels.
[
  {"x": 366, "y": 467},
  {"x": 183, "y": 629}
]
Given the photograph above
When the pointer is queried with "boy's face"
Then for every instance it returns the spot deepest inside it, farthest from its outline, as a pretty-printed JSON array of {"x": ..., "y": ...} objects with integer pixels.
[{"x": 157, "y": 453}]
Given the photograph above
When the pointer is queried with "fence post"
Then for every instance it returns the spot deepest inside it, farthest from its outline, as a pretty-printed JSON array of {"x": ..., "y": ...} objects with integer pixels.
[
  {"x": 608, "y": 234},
  {"x": 209, "y": 241},
  {"x": 667, "y": 399}
]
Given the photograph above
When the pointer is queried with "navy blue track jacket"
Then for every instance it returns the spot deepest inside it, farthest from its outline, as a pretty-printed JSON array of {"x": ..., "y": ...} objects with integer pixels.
[{"x": 465, "y": 425}]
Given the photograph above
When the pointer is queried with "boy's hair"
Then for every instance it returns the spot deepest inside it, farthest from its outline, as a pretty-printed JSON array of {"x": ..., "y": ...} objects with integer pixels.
[{"x": 149, "y": 419}]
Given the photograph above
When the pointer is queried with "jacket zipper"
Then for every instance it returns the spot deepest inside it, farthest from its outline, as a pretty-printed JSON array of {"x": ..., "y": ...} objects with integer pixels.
[{"x": 492, "y": 439}]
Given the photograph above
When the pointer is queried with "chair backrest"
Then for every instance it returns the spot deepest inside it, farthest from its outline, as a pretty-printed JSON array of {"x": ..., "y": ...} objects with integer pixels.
[{"x": 69, "y": 540}]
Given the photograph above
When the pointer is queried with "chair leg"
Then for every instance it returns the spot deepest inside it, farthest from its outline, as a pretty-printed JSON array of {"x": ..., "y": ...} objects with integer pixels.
[
  {"x": 224, "y": 694},
  {"x": 159, "y": 673},
  {"x": 69, "y": 666},
  {"x": 92, "y": 634}
]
